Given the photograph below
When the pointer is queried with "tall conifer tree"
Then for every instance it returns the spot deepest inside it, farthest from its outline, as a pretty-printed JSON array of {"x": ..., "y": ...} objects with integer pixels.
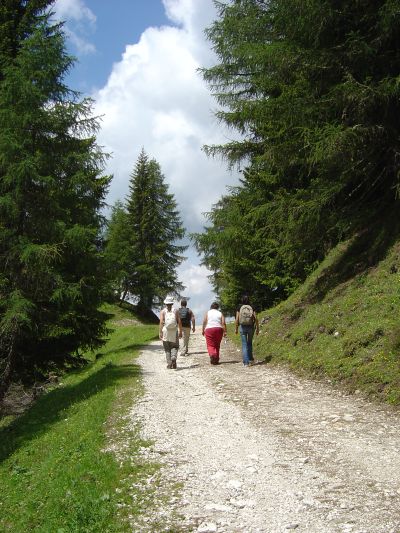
[
  {"x": 117, "y": 251},
  {"x": 51, "y": 191},
  {"x": 313, "y": 89},
  {"x": 156, "y": 230}
]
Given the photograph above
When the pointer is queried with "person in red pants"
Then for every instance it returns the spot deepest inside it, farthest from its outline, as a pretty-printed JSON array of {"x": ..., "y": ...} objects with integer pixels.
[{"x": 214, "y": 328}]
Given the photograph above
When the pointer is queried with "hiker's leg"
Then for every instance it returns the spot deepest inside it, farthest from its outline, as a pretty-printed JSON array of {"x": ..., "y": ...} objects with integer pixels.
[
  {"x": 250, "y": 343},
  {"x": 174, "y": 350},
  {"x": 186, "y": 335},
  {"x": 218, "y": 338},
  {"x": 167, "y": 350},
  {"x": 244, "y": 336},
  {"x": 213, "y": 339}
]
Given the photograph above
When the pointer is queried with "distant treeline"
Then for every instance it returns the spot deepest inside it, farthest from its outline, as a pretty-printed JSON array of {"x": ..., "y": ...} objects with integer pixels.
[{"x": 313, "y": 88}]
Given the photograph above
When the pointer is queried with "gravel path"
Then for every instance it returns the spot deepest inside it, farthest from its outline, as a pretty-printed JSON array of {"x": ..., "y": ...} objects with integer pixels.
[{"x": 260, "y": 450}]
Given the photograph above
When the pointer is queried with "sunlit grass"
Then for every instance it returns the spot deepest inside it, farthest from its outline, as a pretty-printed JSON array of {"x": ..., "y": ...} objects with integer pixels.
[
  {"x": 55, "y": 475},
  {"x": 348, "y": 333}
]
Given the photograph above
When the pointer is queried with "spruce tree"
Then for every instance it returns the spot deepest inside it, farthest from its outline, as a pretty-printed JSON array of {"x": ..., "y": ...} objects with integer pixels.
[
  {"x": 312, "y": 88},
  {"x": 156, "y": 231},
  {"x": 117, "y": 251},
  {"x": 51, "y": 193}
]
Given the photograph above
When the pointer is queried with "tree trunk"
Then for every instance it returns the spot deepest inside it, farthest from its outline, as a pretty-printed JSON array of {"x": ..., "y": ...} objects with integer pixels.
[{"x": 5, "y": 380}]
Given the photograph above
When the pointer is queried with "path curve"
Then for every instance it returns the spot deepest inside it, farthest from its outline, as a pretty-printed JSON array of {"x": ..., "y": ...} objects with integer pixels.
[{"x": 259, "y": 450}]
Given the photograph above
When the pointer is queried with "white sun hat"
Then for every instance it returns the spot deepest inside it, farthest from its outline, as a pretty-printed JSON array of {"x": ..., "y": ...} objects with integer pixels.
[{"x": 169, "y": 300}]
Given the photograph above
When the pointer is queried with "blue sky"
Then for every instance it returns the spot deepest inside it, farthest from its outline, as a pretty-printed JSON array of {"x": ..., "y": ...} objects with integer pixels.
[
  {"x": 139, "y": 60},
  {"x": 116, "y": 23}
]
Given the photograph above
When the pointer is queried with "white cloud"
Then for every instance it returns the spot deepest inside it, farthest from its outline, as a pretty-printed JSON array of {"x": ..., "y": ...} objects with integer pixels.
[
  {"x": 81, "y": 44},
  {"x": 155, "y": 98},
  {"x": 180, "y": 11},
  {"x": 193, "y": 17},
  {"x": 80, "y": 21},
  {"x": 198, "y": 288}
]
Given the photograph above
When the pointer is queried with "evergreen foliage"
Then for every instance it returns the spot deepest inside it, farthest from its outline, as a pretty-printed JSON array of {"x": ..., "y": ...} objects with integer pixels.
[
  {"x": 51, "y": 192},
  {"x": 117, "y": 252},
  {"x": 313, "y": 89},
  {"x": 146, "y": 232}
]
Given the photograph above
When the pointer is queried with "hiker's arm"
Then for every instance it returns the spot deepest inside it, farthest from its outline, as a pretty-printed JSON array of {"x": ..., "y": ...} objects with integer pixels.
[
  {"x": 193, "y": 322},
  {"x": 178, "y": 319},
  {"x": 204, "y": 323},
  {"x": 223, "y": 324},
  {"x": 237, "y": 322},
  {"x": 161, "y": 324},
  {"x": 256, "y": 323}
]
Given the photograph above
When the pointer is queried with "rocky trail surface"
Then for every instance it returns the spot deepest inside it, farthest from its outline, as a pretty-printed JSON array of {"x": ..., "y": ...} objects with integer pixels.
[{"x": 260, "y": 450}]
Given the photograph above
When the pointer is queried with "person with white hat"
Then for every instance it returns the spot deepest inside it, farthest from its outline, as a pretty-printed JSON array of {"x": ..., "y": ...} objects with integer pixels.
[{"x": 170, "y": 331}]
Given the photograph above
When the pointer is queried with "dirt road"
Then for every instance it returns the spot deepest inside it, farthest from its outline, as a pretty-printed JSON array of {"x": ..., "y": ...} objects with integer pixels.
[{"x": 260, "y": 450}]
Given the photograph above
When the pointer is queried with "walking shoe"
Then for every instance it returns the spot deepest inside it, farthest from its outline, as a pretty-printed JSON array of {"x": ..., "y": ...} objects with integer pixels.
[
  {"x": 173, "y": 364},
  {"x": 169, "y": 365}
]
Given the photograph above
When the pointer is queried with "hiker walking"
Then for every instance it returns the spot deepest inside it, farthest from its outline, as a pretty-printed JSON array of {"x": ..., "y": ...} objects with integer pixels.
[
  {"x": 188, "y": 323},
  {"x": 246, "y": 322},
  {"x": 170, "y": 331},
  {"x": 214, "y": 328}
]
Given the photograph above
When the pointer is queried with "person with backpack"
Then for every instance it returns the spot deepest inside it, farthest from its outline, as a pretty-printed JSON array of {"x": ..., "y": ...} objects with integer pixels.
[
  {"x": 188, "y": 323},
  {"x": 246, "y": 322},
  {"x": 214, "y": 328},
  {"x": 170, "y": 331}
]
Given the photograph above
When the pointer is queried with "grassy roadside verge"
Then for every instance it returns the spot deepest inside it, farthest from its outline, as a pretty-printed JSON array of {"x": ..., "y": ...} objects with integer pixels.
[
  {"x": 342, "y": 324},
  {"x": 55, "y": 473}
]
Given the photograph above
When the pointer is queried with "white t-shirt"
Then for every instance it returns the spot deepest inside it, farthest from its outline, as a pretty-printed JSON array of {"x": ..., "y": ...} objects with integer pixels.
[{"x": 214, "y": 319}]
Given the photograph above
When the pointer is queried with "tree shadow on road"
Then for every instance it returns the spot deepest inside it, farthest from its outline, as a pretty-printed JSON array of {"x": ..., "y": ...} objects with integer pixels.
[{"x": 53, "y": 406}]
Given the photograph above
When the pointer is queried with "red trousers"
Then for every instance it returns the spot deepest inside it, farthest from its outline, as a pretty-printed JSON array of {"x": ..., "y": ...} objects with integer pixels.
[{"x": 213, "y": 340}]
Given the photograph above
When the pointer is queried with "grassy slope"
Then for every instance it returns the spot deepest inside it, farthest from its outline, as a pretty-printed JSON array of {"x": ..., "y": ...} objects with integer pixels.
[
  {"x": 54, "y": 473},
  {"x": 343, "y": 323}
]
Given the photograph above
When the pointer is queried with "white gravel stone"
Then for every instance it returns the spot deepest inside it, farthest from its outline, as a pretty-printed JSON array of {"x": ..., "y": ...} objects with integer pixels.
[
  {"x": 218, "y": 507},
  {"x": 275, "y": 465},
  {"x": 207, "y": 528}
]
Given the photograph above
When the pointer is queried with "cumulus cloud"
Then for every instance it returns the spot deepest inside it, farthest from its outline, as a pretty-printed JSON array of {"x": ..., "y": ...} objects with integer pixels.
[
  {"x": 81, "y": 22},
  {"x": 193, "y": 17},
  {"x": 155, "y": 98},
  {"x": 197, "y": 288}
]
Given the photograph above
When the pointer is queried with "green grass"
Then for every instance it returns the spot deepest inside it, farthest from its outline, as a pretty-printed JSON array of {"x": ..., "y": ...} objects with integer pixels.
[
  {"x": 342, "y": 324},
  {"x": 55, "y": 475}
]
